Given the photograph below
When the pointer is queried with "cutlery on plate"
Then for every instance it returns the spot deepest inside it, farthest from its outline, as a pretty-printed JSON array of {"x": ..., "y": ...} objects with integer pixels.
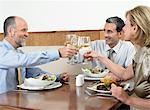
[
  {"x": 97, "y": 94},
  {"x": 126, "y": 86}
]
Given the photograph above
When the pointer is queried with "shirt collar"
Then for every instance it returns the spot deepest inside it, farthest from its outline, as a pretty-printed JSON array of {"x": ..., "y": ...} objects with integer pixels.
[
  {"x": 8, "y": 45},
  {"x": 116, "y": 48},
  {"x": 107, "y": 48}
]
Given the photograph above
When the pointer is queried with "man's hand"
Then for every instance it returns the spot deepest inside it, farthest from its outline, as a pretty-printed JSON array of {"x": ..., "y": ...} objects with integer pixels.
[
  {"x": 67, "y": 51},
  {"x": 64, "y": 77}
]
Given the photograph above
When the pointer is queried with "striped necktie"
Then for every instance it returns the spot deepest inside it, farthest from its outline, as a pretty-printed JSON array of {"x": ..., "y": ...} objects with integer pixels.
[
  {"x": 19, "y": 71},
  {"x": 19, "y": 75},
  {"x": 110, "y": 55}
]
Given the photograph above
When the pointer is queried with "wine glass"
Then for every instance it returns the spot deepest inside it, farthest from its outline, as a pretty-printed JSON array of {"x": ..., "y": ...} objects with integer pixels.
[
  {"x": 68, "y": 39},
  {"x": 85, "y": 46},
  {"x": 72, "y": 40}
]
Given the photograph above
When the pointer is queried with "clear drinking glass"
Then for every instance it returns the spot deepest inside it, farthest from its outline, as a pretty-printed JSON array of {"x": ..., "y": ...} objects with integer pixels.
[
  {"x": 85, "y": 46},
  {"x": 72, "y": 40}
]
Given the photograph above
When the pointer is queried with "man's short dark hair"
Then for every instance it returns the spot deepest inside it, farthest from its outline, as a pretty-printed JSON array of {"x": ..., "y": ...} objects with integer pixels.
[
  {"x": 10, "y": 21},
  {"x": 117, "y": 21}
]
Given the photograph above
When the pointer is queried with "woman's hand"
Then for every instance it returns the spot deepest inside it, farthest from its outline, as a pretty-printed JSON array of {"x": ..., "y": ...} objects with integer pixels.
[
  {"x": 114, "y": 77},
  {"x": 120, "y": 94},
  {"x": 91, "y": 55}
]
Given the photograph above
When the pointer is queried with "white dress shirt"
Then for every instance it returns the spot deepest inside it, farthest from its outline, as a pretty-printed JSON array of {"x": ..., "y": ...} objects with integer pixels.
[
  {"x": 10, "y": 59},
  {"x": 123, "y": 52}
]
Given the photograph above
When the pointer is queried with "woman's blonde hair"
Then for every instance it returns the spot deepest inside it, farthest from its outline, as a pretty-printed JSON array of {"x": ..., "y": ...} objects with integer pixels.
[{"x": 140, "y": 16}]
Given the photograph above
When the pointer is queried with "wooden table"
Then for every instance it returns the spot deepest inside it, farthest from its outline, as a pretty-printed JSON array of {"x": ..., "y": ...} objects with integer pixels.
[{"x": 67, "y": 97}]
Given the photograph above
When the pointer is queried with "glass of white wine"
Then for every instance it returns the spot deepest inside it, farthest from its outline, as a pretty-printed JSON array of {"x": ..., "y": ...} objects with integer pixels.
[
  {"x": 85, "y": 46},
  {"x": 72, "y": 40}
]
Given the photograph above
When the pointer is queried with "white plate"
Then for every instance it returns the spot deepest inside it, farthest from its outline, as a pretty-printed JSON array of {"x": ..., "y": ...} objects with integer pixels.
[
  {"x": 97, "y": 94},
  {"x": 87, "y": 72},
  {"x": 38, "y": 82},
  {"x": 94, "y": 88},
  {"x": 51, "y": 86},
  {"x": 91, "y": 78}
]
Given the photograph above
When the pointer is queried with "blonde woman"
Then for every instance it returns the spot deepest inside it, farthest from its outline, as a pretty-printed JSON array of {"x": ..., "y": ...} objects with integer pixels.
[{"x": 137, "y": 30}]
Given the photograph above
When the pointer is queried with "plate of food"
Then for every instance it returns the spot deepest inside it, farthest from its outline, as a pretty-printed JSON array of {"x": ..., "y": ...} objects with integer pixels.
[
  {"x": 91, "y": 78},
  {"x": 40, "y": 81},
  {"x": 51, "y": 86},
  {"x": 96, "y": 72},
  {"x": 103, "y": 86}
]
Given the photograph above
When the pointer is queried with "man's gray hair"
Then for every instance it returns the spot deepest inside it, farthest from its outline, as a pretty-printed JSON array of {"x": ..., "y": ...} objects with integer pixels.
[
  {"x": 117, "y": 21},
  {"x": 10, "y": 21}
]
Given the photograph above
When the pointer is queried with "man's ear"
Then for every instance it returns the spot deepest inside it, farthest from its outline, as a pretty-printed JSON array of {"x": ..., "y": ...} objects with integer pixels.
[
  {"x": 11, "y": 31},
  {"x": 120, "y": 34}
]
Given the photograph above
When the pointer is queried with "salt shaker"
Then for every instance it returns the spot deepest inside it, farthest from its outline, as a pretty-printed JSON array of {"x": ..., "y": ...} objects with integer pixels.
[{"x": 80, "y": 80}]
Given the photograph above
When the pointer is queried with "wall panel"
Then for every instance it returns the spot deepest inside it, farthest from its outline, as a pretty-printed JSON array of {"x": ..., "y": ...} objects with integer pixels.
[{"x": 53, "y": 38}]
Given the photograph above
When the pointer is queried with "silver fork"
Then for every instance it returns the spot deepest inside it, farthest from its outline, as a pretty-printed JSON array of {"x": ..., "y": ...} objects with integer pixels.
[
  {"x": 126, "y": 86},
  {"x": 97, "y": 94}
]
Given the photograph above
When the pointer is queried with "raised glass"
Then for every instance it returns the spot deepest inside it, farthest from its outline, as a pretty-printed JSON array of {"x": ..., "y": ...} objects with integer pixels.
[
  {"x": 72, "y": 40},
  {"x": 85, "y": 46}
]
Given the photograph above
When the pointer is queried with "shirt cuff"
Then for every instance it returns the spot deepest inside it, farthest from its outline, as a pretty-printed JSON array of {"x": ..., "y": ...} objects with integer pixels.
[
  {"x": 58, "y": 78},
  {"x": 54, "y": 55}
]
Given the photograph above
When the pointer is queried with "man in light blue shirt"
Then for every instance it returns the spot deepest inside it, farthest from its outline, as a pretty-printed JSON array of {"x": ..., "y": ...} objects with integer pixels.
[
  {"x": 15, "y": 34},
  {"x": 123, "y": 51}
]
